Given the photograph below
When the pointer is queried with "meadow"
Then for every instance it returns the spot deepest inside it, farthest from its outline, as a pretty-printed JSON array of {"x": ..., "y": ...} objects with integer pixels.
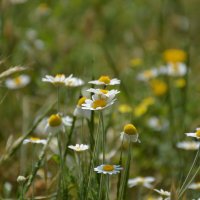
[{"x": 99, "y": 100}]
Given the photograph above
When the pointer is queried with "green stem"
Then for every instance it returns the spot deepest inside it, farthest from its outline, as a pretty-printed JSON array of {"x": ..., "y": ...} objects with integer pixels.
[
  {"x": 103, "y": 137},
  {"x": 107, "y": 188}
]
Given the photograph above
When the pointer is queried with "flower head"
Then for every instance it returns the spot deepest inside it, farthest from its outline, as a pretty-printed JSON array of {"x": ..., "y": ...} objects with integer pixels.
[
  {"x": 79, "y": 112},
  {"x": 144, "y": 181},
  {"x": 195, "y": 134},
  {"x": 176, "y": 69},
  {"x": 163, "y": 193},
  {"x": 57, "y": 80},
  {"x": 188, "y": 145},
  {"x": 79, "y": 147},
  {"x": 73, "y": 81},
  {"x": 35, "y": 140},
  {"x": 174, "y": 55},
  {"x": 105, "y": 80},
  {"x": 194, "y": 186},
  {"x": 147, "y": 75},
  {"x": 17, "y": 82},
  {"x": 159, "y": 87},
  {"x": 97, "y": 103},
  {"x": 124, "y": 108},
  {"x": 108, "y": 169},
  {"x": 104, "y": 93},
  {"x": 130, "y": 133},
  {"x": 55, "y": 123}
]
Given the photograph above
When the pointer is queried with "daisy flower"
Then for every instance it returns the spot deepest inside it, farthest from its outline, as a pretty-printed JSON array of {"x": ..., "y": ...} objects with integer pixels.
[
  {"x": 35, "y": 140},
  {"x": 176, "y": 69},
  {"x": 55, "y": 123},
  {"x": 108, "y": 169},
  {"x": 79, "y": 147},
  {"x": 194, "y": 186},
  {"x": 79, "y": 112},
  {"x": 144, "y": 181},
  {"x": 163, "y": 193},
  {"x": 17, "y": 82},
  {"x": 188, "y": 145},
  {"x": 147, "y": 75},
  {"x": 67, "y": 121},
  {"x": 102, "y": 92},
  {"x": 73, "y": 81},
  {"x": 105, "y": 80},
  {"x": 57, "y": 80},
  {"x": 130, "y": 133},
  {"x": 195, "y": 134},
  {"x": 97, "y": 103}
]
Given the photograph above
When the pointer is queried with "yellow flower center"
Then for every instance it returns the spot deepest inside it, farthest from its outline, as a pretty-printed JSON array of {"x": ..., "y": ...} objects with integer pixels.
[
  {"x": 124, "y": 108},
  {"x": 159, "y": 87},
  {"x": 81, "y": 101},
  {"x": 59, "y": 75},
  {"x": 198, "y": 133},
  {"x": 104, "y": 79},
  {"x": 34, "y": 138},
  {"x": 104, "y": 91},
  {"x": 108, "y": 168},
  {"x": 180, "y": 83},
  {"x": 174, "y": 55},
  {"x": 17, "y": 80},
  {"x": 148, "y": 74},
  {"x": 54, "y": 120},
  {"x": 130, "y": 129},
  {"x": 99, "y": 103}
]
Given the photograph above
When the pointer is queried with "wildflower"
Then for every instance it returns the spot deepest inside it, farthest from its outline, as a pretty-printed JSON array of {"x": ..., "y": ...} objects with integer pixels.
[
  {"x": 55, "y": 123},
  {"x": 176, "y": 69},
  {"x": 17, "y": 82},
  {"x": 108, "y": 169},
  {"x": 21, "y": 179},
  {"x": 195, "y": 134},
  {"x": 180, "y": 83},
  {"x": 163, "y": 193},
  {"x": 159, "y": 87},
  {"x": 135, "y": 62},
  {"x": 194, "y": 186},
  {"x": 67, "y": 121},
  {"x": 144, "y": 181},
  {"x": 147, "y": 75},
  {"x": 174, "y": 55},
  {"x": 130, "y": 133},
  {"x": 57, "y": 80},
  {"x": 73, "y": 81},
  {"x": 35, "y": 140},
  {"x": 148, "y": 101},
  {"x": 79, "y": 147},
  {"x": 105, "y": 80},
  {"x": 104, "y": 93},
  {"x": 140, "y": 110},
  {"x": 124, "y": 108},
  {"x": 79, "y": 112},
  {"x": 97, "y": 103},
  {"x": 188, "y": 145}
]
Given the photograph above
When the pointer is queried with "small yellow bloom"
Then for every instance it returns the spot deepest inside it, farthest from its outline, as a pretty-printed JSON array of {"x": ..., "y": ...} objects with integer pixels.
[
  {"x": 99, "y": 103},
  {"x": 198, "y": 133},
  {"x": 174, "y": 55},
  {"x": 135, "y": 62},
  {"x": 124, "y": 108},
  {"x": 81, "y": 101},
  {"x": 104, "y": 79},
  {"x": 130, "y": 129},
  {"x": 180, "y": 83},
  {"x": 148, "y": 101},
  {"x": 159, "y": 87},
  {"x": 140, "y": 110},
  {"x": 55, "y": 120}
]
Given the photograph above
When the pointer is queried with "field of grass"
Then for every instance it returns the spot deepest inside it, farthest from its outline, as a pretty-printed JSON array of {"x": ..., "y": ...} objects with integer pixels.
[{"x": 144, "y": 56}]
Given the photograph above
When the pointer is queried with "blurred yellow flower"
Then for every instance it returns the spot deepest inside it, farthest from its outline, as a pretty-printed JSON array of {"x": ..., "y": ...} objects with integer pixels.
[
  {"x": 135, "y": 62},
  {"x": 180, "y": 83},
  {"x": 174, "y": 55},
  {"x": 124, "y": 108},
  {"x": 140, "y": 110},
  {"x": 159, "y": 87},
  {"x": 148, "y": 101}
]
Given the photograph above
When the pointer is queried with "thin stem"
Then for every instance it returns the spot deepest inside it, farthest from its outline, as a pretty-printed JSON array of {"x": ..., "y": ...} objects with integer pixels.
[
  {"x": 191, "y": 168},
  {"x": 100, "y": 189},
  {"x": 107, "y": 188},
  {"x": 58, "y": 99},
  {"x": 103, "y": 137},
  {"x": 32, "y": 167}
]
